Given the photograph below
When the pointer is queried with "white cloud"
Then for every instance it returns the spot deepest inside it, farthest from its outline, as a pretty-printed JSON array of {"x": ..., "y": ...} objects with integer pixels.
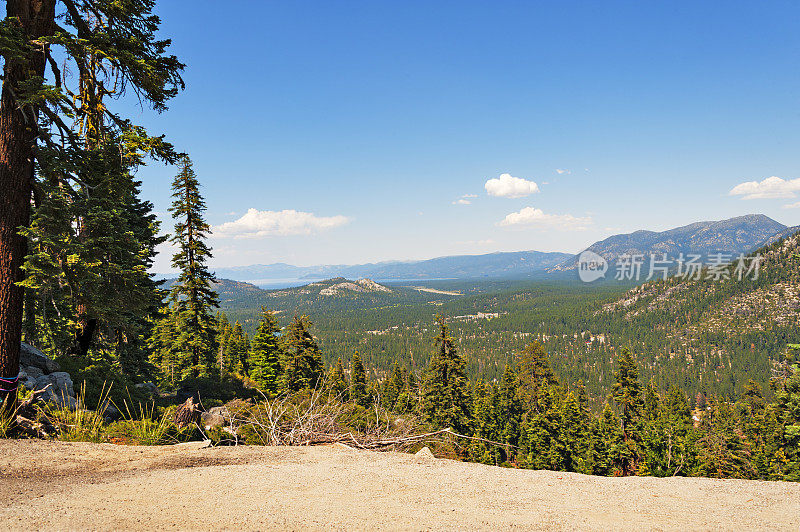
[
  {"x": 533, "y": 217},
  {"x": 508, "y": 186},
  {"x": 465, "y": 199},
  {"x": 258, "y": 224},
  {"x": 769, "y": 188},
  {"x": 795, "y": 205},
  {"x": 563, "y": 171}
]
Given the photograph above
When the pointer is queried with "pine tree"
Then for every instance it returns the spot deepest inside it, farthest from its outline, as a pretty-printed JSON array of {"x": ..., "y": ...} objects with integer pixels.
[
  {"x": 486, "y": 419},
  {"x": 393, "y": 386},
  {"x": 510, "y": 410},
  {"x": 163, "y": 357},
  {"x": 446, "y": 397},
  {"x": 109, "y": 45},
  {"x": 534, "y": 373},
  {"x": 574, "y": 434},
  {"x": 302, "y": 359},
  {"x": 544, "y": 444},
  {"x": 237, "y": 349},
  {"x": 722, "y": 452},
  {"x": 358, "y": 381},
  {"x": 338, "y": 381},
  {"x": 788, "y": 411},
  {"x": 407, "y": 399},
  {"x": 265, "y": 357},
  {"x": 607, "y": 446},
  {"x": 192, "y": 297},
  {"x": 627, "y": 394},
  {"x": 108, "y": 235},
  {"x": 224, "y": 331}
]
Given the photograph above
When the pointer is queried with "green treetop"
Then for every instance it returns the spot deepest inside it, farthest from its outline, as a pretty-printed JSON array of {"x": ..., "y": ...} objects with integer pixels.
[
  {"x": 265, "y": 356},
  {"x": 302, "y": 358},
  {"x": 446, "y": 398},
  {"x": 192, "y": 298}
]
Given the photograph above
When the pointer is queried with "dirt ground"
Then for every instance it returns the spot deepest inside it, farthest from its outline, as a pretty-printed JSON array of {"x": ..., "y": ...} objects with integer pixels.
[{"x": 56, "y": 485}]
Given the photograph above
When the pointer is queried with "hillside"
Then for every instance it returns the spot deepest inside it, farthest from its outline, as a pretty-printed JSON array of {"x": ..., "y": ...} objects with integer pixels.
[
  {"x": 80, "y": 486},
  {"x": 328, "y": 298},
  {"x": 742, "y": 234},
  {"x": 727, "y": 324}
]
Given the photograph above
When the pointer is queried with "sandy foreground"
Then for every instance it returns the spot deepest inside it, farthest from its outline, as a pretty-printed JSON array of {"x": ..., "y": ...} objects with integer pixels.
[{"x": 58, "y": 485}]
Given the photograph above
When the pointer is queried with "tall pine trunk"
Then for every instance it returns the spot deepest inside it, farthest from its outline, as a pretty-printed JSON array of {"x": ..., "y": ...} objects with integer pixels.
[{"x": 18, "y": 129}]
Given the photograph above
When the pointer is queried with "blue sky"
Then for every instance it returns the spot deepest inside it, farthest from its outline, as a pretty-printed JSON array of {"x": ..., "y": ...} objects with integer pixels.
[{"x": 375, "y": 118}]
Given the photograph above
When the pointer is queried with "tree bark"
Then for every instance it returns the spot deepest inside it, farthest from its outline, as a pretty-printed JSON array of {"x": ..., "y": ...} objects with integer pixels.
[
  {"x": 84, "y": 336},
  {"x": 18, "y": 131}
]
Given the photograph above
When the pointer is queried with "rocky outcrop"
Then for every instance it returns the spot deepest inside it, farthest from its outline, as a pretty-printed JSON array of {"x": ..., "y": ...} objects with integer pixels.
[
  {"x": 361, "y": 285},
  {"x": 29, "y": 356},
  {"x": 38, "y": 372}
]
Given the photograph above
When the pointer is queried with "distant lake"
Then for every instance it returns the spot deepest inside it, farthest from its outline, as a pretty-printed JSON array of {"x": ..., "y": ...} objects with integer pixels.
[{"x": 276, "y": 284}]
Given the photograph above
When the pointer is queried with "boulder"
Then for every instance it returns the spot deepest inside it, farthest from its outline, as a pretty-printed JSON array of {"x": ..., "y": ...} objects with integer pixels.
[
  {"x": 60, "y": 392},
  {"x": 149, "y": 387},
  {"x": 424, "y": 455},
  {"x": 29, "y": 356},
  {"x": 66, "y": 401},
  {"x": 111, "y": 413},
  {"x": 220, "y": 411},
  {"x": 210, "y": 420},
  {"x": 33, "y": 372}
]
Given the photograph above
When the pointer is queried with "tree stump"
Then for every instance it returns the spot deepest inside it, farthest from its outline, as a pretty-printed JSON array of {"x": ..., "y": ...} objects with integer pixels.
[{"x": 188, "y": 413}]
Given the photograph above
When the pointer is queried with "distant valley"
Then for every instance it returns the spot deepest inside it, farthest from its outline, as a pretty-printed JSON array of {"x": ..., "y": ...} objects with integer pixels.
[{"x": 732, "y": 236}]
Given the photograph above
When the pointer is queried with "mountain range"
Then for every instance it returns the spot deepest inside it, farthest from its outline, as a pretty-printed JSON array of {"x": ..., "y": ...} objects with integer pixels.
[
  {"x": 733, "y": 236},
  {"x": 504, "y": 264}
]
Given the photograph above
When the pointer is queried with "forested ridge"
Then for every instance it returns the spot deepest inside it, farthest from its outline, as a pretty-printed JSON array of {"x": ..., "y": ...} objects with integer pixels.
[{"x": 702, "y": 335}]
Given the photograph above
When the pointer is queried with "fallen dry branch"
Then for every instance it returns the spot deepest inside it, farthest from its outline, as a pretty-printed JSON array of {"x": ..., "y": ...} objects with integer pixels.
[
  {"x": 317, "y": 421},
  {"x": 404, "y": 440}
]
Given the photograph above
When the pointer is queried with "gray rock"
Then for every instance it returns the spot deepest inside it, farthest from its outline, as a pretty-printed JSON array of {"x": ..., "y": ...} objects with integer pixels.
[
  {"x": 29, "y": 383},
  {"x": 30, "y": 356},
  {"x": 111, "y": 413},
  {"x": 33, "y": 372},
  {"x": 66, "y": 401},
  {"x": 62, "y": 381},
  {"x": 149, "y": 387},
  {"x": 42, "y": 382},
  {"x": 212, "y": 420},
  {"x": 220, "y": 411},
  {"x": 60, "y": 391}
]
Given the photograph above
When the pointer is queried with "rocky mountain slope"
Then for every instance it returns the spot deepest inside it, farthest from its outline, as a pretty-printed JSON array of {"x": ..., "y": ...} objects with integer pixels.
[
  {"x": 726, "y": 322},
  {"x": 742, "y": 234}
]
